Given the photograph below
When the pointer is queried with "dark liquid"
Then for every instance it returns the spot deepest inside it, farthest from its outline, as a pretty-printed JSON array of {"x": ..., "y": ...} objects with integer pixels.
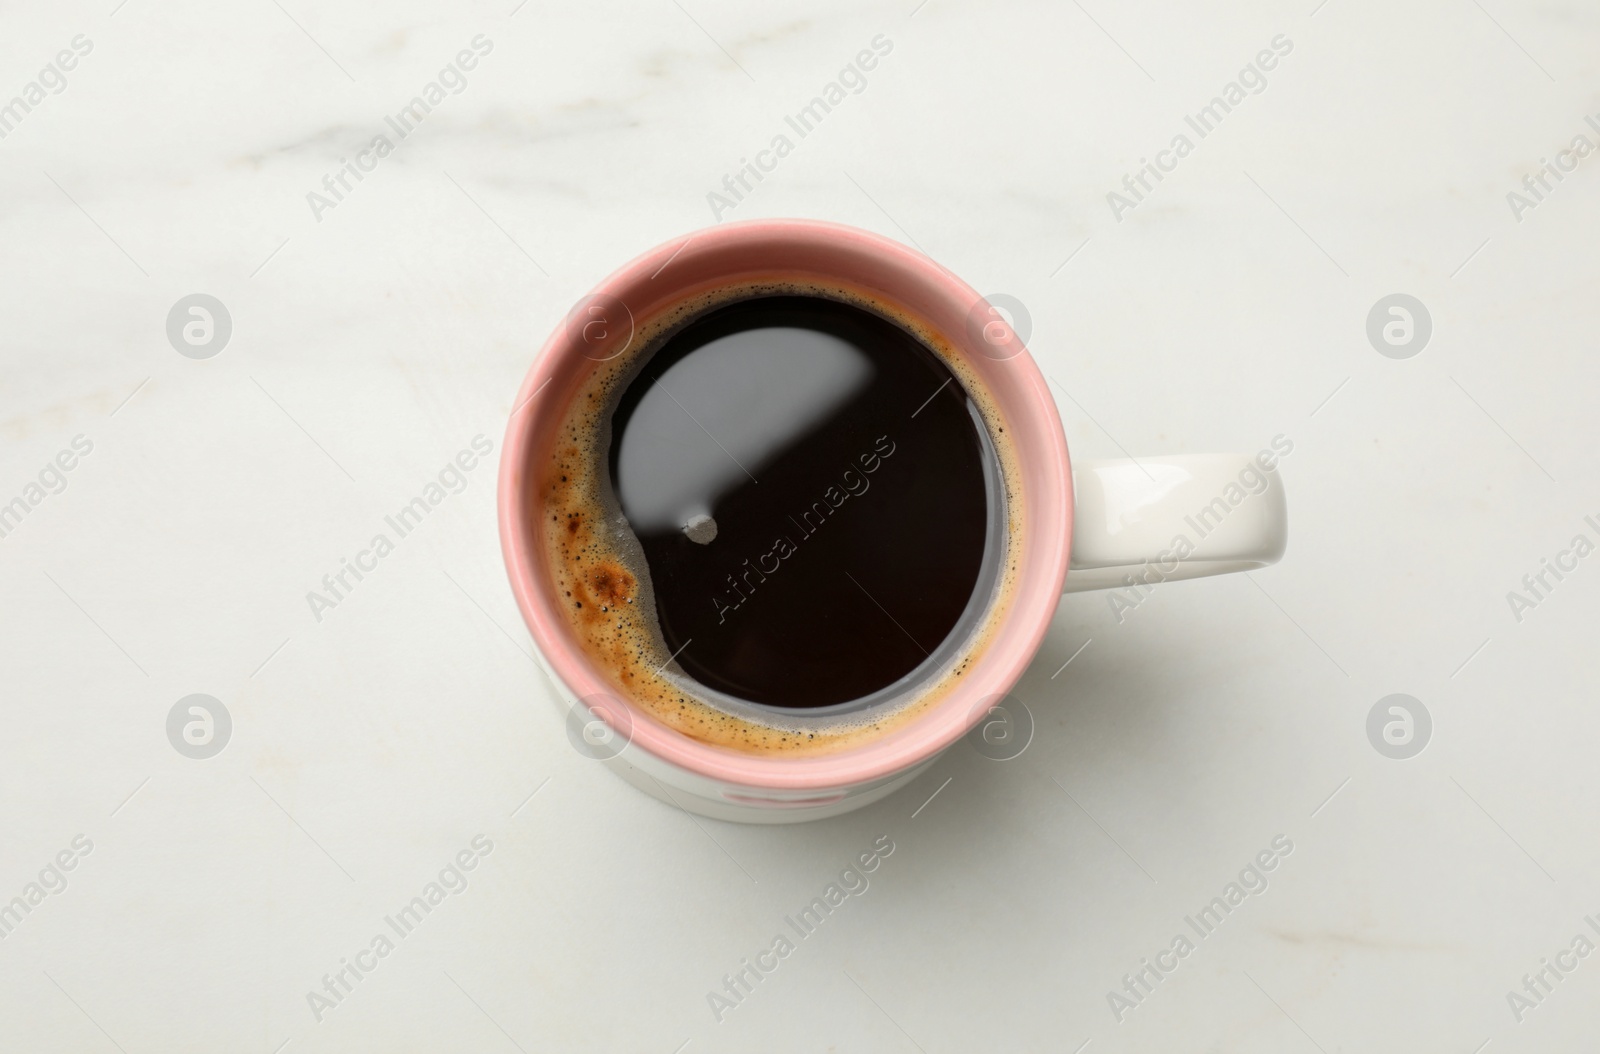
[{"x": 850, "y": 484}]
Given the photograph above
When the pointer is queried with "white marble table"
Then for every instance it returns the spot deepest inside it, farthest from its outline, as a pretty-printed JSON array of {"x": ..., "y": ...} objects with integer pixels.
[{"x": 374, "y": 337}]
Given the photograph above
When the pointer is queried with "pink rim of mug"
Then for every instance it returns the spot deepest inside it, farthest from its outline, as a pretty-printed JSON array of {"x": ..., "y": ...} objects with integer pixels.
[{"x": 796, "y": 249}]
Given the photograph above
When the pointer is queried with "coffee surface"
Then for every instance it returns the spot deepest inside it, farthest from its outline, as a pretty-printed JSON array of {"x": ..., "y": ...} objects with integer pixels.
[
  {"x": 814, "y": 497},
  {"x": 600, "y": 580}
]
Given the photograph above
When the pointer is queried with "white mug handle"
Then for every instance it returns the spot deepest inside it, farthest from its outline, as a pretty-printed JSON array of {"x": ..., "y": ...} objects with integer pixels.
[{"x": 1142, "y": 521}]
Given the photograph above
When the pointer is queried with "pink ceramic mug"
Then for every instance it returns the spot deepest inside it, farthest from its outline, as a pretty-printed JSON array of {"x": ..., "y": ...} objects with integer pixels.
[{"x": 1136, "y": 522}]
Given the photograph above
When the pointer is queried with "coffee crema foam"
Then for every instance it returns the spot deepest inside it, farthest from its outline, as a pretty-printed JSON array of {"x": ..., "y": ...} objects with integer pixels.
[{"x": 598, "y": 570}]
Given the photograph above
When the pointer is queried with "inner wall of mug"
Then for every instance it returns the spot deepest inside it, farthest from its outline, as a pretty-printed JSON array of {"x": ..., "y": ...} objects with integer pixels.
[{"x": 823, "y": 729}]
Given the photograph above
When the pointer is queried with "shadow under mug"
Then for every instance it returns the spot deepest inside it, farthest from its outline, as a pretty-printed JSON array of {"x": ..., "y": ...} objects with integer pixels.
[{"x": 1126, "y": 524}]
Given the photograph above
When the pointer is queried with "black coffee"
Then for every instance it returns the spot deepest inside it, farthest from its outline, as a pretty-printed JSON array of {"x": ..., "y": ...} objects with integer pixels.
[{"x": 815, "y": 497}]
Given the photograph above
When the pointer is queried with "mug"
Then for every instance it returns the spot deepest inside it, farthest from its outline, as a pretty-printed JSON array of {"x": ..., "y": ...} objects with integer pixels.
[{"x": 1124, "y": 524}]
